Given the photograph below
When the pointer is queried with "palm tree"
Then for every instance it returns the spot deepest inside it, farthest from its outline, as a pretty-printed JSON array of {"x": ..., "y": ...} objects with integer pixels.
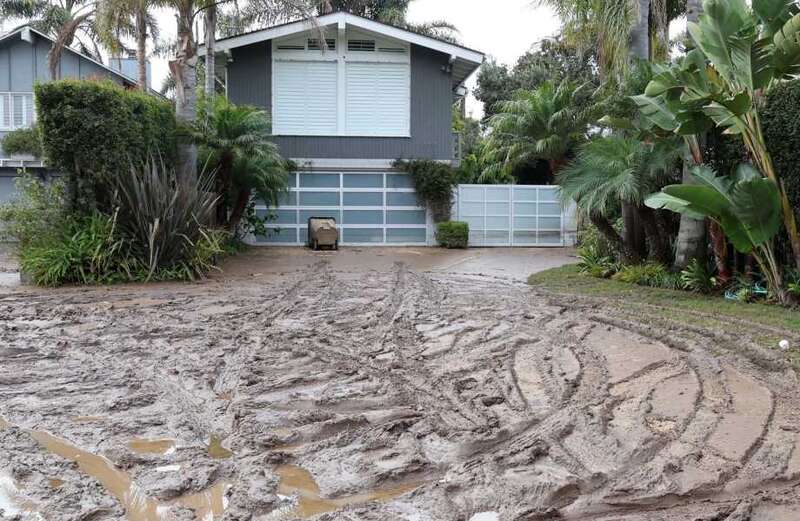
[
  {"x": 546, "y": 123},
  {"x": 66, "y": 21},
  {"x": 691, "y": 242},
  {"x": 183, "y": 65},
  {"x": 130, "y": 18},
  {"x": 714, "y": 86},
  {"x": 613, "y": 171},
  {"x": 237, "y": 141}
]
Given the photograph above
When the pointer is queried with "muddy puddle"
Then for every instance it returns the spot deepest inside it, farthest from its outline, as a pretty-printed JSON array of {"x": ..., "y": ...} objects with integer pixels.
[
  {"x": 298, "y": 481},
  {"x": 208, "y": 505},
  {"x": 152, "y": 446},
  {"x": 216, "y": 450}
]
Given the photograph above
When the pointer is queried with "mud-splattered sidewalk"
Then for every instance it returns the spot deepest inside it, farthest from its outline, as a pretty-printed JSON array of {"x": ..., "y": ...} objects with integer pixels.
[{"x": 384, "y": 394}]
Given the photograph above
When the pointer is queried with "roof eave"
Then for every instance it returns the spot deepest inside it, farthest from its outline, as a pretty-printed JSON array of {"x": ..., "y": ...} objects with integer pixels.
[{"x": 279, "y": 31}]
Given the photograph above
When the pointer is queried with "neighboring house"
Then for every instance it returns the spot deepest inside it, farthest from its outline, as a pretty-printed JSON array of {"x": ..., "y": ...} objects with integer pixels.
[
  {"x": 344, "y": 110},
  {"x": 23, "y": 62}
]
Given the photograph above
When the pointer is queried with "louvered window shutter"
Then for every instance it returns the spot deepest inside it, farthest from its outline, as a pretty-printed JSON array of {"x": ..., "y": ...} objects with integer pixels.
[
  {"x": 378, "y": 99},
  {"x": 305, "y": 98}
]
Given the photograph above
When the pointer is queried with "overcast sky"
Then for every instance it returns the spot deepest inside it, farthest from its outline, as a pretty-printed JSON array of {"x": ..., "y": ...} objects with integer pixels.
[{"x": 503, "y": 29}]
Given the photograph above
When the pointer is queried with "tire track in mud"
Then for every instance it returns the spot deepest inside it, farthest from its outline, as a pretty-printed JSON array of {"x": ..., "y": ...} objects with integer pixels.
[{"x": 490, "y": 395}]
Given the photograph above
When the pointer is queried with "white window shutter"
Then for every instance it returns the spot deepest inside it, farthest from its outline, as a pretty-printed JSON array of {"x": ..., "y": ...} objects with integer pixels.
[
  {"x": 378, "y": 99},
  {"x": 305, "y": 98}
]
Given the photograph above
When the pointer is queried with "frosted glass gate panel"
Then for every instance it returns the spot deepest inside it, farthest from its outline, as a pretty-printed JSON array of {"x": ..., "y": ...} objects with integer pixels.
[
  {"x": 371, "y": 208},
  {"x": 509, "y": 215}
]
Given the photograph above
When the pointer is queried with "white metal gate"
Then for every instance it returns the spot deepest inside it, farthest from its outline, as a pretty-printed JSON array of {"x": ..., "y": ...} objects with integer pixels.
[{"x": 515, "y": 215}]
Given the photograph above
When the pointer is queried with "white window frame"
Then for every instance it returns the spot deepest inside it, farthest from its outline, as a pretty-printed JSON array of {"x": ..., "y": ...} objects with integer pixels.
[
  {"x": 28, "y": 98},
  {"x": 341, "y": 57}
]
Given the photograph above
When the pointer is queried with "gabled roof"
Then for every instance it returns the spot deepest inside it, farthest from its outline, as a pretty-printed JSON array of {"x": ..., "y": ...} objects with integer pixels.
[
  {"x": 25, "y": 31},
  {"x": 467, "y": 59}
]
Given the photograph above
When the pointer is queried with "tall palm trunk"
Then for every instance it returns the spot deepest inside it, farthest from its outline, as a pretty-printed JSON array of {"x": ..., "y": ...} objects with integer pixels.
[
  {"x": 64, "y": 39},
  {"x": 639, "y": 49},
  {"x": 691, "y": 242},
  {"x": 141, "y": 46},
  {"x": 210, "y": 17},
  {"x": 184, "y": 70}
]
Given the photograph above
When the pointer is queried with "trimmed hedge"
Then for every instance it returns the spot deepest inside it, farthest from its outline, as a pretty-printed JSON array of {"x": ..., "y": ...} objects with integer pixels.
[
  {"x": 95, "y": 130},
  {"x": 452, "y": 234},
  {"x": 23, "y": 141},
  {"x": 780, "y": 118}
]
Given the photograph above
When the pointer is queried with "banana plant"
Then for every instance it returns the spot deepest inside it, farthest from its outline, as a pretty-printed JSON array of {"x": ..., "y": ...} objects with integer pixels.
[
  {"x": 740, "y": 51},
  {"x": 747, "y": 207}
]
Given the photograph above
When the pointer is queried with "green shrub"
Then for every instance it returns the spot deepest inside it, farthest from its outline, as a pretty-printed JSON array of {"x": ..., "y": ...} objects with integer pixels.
[
  {"x": 433, "y": 182},
  {"x": 87, "y": 250},
  {"x": 590, "y": 239},
  {"x": 23, "y": 141},
  {"x": 649, "y": 274},
  {"x": 93, "y": 131},
  {"x": 793, "y": 282},
  {"x": 594, "y": 263},
  {"x": 55, "y": 247},
  {"x": 38, "y": 211},
  {"x": 452, "y": 234},
  {"x": 781, "y": 122},
  {"x": 698, "y": 277},
  {"x": 167, "y": 220}
]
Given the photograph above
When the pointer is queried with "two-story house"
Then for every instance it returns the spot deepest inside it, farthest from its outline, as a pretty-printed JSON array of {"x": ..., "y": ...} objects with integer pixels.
[
  {"x": 344, "y": 110},
  {"x": 23, "y": 62}
]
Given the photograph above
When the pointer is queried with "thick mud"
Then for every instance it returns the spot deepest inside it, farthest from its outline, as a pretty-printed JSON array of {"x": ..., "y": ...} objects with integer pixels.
[{"x": 385, "y": 394}]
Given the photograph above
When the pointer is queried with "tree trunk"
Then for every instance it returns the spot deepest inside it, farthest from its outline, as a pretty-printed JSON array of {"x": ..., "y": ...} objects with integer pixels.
[
  {"x": 608, "y": 231},
  {"x": 141, "y": 47},
  {"x": 660, "y": 248},
  {"x": 692, "y": 233},
  {"x": 239, "y": 207},
  {"x": 720, "y": 246},
  {"x": 691, "y": 242},
  {"x": 639, "y": 49},
  {"x": 184, "y": 70},
  {"x": 640, "y": 32},
  {"x": 211, "y": 44}
]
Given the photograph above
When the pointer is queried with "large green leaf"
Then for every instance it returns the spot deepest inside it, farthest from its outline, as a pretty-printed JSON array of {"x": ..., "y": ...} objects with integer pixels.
[
  {"x": 746, "y": 172},
  {"x": 656, "y": 111},
  {"x": 757, "y": 205},
  {"x": 705, "y": 176},
  {"x": 723, "y": 117},
  {"x": 707, "y": 201},
  {"x": 786, "y": 54},
  {"x": 665, "y": 201},
  {"x": 773, "y": 14},
  {"x": 723, "y": 26},
  {"x": 702, "y": 200}
]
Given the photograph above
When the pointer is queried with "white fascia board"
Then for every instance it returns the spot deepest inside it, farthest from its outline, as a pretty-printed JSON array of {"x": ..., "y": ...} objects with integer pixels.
[
  {"x": 356, "y": 21},
  {"x": 27, "y": 31},
  {"x": 273, "y": 33}
]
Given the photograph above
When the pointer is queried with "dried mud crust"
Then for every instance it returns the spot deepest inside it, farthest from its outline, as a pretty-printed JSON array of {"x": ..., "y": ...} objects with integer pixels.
[{"x": 476, "y": 394}]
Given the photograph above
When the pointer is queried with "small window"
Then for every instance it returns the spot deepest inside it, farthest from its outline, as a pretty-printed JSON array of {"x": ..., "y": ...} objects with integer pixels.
[
  {"x": 287, "y": 47},
  {"x": 314, "y": 44},
  {"x": 392, "y": 50},
  {"x": 361, "y": 45},
  {"x": 16, "y": 110}
]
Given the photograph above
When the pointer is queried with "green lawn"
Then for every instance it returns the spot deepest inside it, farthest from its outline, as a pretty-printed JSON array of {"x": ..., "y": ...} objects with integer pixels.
[{"x": 681, "y": 306}]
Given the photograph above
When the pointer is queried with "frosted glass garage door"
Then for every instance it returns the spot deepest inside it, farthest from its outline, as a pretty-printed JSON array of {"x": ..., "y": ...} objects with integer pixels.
[
  {"x": 510, "y": 215},
  {"x": 371, "y": 208}
]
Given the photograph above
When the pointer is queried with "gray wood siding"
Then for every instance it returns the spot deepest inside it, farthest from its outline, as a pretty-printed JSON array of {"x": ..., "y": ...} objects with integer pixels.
[
  {"x": 250, "y": 81},
  {"x": 23, "y": 64}
]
